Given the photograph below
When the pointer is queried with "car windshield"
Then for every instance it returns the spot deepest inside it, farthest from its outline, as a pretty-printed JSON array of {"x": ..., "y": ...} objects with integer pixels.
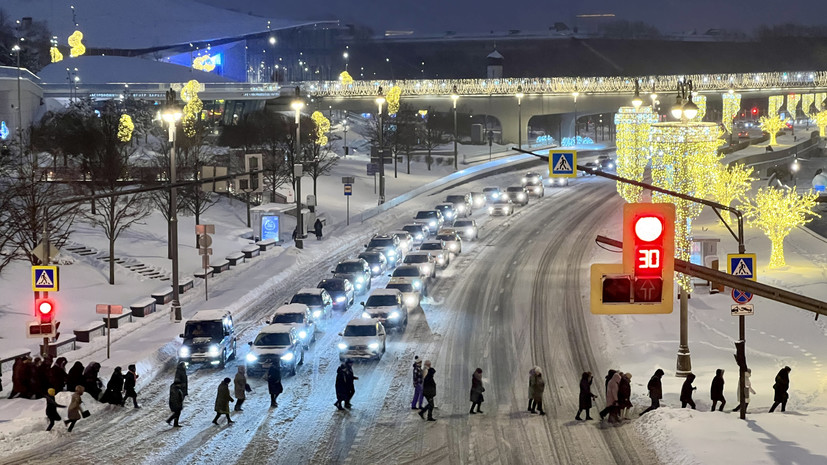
[
  {"x": 360, "y": 331},
  {"x": 433, "y": 246},
  {"x": 272, "y": 339},
  {"x": 455, "y": 198},
  {"x": 307, "y": 299},
  {"x": 463, "y": 223},
  {"x": 403, "y": 287},
  {"x": 413, "y": 229},
  {"x": 515, "y": 189},
  {"x": 406, "y": 271},
  {"x": 212, "y": 329},
  {"x": 380, "y": 242},
  {"x": 416, "y": 259},
  {"x": 332, "y": 285},
  {"x": 349, "y": 267},
  {"x": 446, "y": 237},
  {"x": 289, "y": 318},
  {"x": 369, "y": 257},
  {"x": 381, "y": 301},
  {"x": 425, "y": 215}
]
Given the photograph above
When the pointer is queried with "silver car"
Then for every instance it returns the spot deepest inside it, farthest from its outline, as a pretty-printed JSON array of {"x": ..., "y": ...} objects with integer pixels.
[{"x": 501, "y": 207}]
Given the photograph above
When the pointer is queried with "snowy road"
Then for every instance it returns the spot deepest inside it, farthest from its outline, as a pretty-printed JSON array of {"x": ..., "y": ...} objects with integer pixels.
[{"x": 509, "y": 302}]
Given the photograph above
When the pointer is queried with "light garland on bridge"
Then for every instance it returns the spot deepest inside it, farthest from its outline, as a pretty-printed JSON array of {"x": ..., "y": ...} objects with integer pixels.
[
  {"x": 819, "y": 103},
  {"x": 632, "y": 140},
  {"x": 776, "y": 212},
  {"x": 684, "y": 159},
  {"x": 125, "y": 128},
  {"x": 821, "y": 122},
  {"x": 775, "y": 103},
  {"x": 807, "y": 104},
  {"x": 700, "y": 102},
  {"x": 731, "y": 107},
  {"x": 792, "y": 104}
]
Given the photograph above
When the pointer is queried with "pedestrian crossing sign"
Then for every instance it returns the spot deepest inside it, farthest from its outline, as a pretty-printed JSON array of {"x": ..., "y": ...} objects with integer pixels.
[
  {"x": 45, "y": 278},
  {"x": 742, "y": 265},
  {"x": 562, "y": 163}
]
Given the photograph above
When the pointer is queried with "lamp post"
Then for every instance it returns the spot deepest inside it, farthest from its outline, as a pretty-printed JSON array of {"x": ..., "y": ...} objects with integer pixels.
[
  {"x": 380, "y": 100},
  {"x": 519, "y": 96},
  {"x": 346, "y": 56},
  {"x": 636, "y": 100},
  {"x": 171, "y": 115},
  {"x": 297, "y": 171},
  {"x": 575, "y": 94},
  {"x": 16, "y": 49},
  {"x": 454, "y": 98}
]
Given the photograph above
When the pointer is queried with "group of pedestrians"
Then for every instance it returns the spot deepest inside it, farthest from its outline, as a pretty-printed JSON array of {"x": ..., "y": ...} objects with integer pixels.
[{"x": 618, "y": 396}]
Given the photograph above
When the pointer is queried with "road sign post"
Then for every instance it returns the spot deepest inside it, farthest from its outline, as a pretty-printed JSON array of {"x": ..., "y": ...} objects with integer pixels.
[
  {"x": 562, "y": 163},
  {"x": 348, "y": 193},
  {"x": 108, "y": 310},
  {"x": 742, "y": 265},
  {"x": 204, "y": 242}
]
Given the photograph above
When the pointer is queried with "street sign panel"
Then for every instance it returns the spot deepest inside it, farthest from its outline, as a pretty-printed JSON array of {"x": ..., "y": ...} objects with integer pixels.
[
  {"x": 742, "y": 309},
  {"x": 373, "y": 168},
  {"x": 105, "y": 308},
  {"x": 562, "y": 163},
  {"x": 348, "y": 179},
  {"x": 348, "y": 189},
  {"x": 741, "y": 297},
  {"x": 742, "y": 265},
  {"x": 45, "y": 278},
  {"x": 39, "y": 252}
]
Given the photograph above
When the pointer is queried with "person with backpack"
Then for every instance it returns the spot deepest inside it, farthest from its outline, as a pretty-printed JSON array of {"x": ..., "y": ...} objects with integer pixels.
[{"x": 655, "y": 390}]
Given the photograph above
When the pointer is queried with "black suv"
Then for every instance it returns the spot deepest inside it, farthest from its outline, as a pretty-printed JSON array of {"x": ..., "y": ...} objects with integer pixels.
[
  {"x": 356, "y": 271},
  {"x": 462, "y": 203}
]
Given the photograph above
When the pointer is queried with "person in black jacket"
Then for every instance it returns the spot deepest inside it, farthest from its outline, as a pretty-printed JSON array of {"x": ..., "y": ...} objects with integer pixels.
[
  {"x": 114, "y": 388},
  {"x": 349, "y": 377},
  {"x": 655, "y": 390},
  {"x": 57, "y": 375},
  {"x": 341, "y": 386},
  {"x": 686, "y": 392},
  {"x": 429, "y": 391},
  {"x": 781, "y": 386},
  {"x": 18, "y": 375},
  {"x": 717, "y": 389},
  {"x": 51, "y": 408},
  {"x": 586, "y": 395},
  {"x": 181, "y": 377},
  {"x": 274, "y": 384},
  {"x": 75, "y": 377},
  {"x": 318, "y": 227},
  {"x": 129, "y": 386},
  {"x": 176, "y": 403},
  {"x": 43, "y": 371},
  {"x": 92, "y": 384}
]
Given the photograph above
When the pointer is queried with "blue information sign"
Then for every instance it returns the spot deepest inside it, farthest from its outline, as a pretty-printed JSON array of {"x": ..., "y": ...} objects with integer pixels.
[{"x": 270, "y": 227}]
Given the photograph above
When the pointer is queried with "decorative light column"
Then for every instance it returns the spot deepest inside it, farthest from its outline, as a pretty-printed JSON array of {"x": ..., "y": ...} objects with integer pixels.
[
  {"x": 519, "y": 96},
  {"x": 454, "y": 98},
  {"x": 574, "y": 95},
  {"x": 731, "y": 107},
  {"x": 380, "y": 101},
  {"x": 16, "y": 49},
  {"x": 632, "y": 142}
]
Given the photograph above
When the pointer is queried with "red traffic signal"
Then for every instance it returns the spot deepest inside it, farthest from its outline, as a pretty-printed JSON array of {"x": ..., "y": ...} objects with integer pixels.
[
  {"x": 648, "y": 232},
  {"x": 754, "y": 110},
  {"x": 44, "y": 309},
  {"x": 649, "y": 250}
]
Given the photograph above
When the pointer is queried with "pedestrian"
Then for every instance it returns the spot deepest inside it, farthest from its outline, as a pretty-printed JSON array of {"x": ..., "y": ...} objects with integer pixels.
[
  {"x": 318, "y": 227},
  {"x": 429, "y": 391},
  {"x": 417, "y": 384},
  {"x": 781, "y": 386},
  {"x": 176, "y": 403},
  {"x": 129, "y": 386},
  {"x": 75, "y": 377},
  {"x": 716, "y": 391},
  {"x": 241, "y": 388},
  {"x": 33, "y": 379},
  {"x": 655, "y": 390},
  {"x": 57, "y": 375},
  {"x": 295, "y": 233},
  {"x": 74, "y": 413},
  {"x": 532, "y": 378},
  {"x": 43, "y": 371},
  {"x": 586, "y": 396},
  {"x": 114, "y": 388},
  {"x": 612, "y": 389},
  {"x": 686, "y": 392},
  {"x": 476, "y": 391},
  {"x": 18, "y": 374},
  {"x": 274, "y": 384},
  {"x": 349, "y": 377},
  {"x": 222, "y": 402},
  {"x": 609, "y": 377},
  {"x": 51, "y": 408},
  {"x": 748, "y": 388},
  {"x": 539, "y": 389},
  {"x": 91, "y": 380},
  {"x": 341, "y": 386},
  {"x": 181, "y": 377},
  {"x": 624, "y": 396}
]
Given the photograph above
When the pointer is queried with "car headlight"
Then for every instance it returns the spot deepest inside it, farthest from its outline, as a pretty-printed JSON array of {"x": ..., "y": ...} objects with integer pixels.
[
  {"x": 461, "y": 208},
  {"x": 303, "y": 334},
  {"x": 453, "y": 246},
  {"x": 184, "y": 352},
  {"x": 538, "y": 189},
  {"x": 449, "y": 215},
  {"x": 410, "y": 300},
  {"x": 251, "y": 357},
  {"x": 469, "y": 232},
  {"x": 391, "y": 253},
  {"x": 360, "y": 279},
  {"x": 375, "y": 269},
  {"x": 441, "y": 259},
  {"x": 213, "y": 350},
  {"x": 342, "y": 346},
  {"x": 373, "y": 345},
  {"x": 524, "y": 180},
  {"x": 358, "y": 286},
  {"x": 417, "y": 284},
  {"x": 317, "y": 313},
  {"x": 340, "y": 299},
  {"x": 426, "y": 268},
  {"x": 418, "y": 236},
  {"x": 490, "y": 209},
  {"x": 432, "y": 223},
  {"x": 393, "y": 315},
  {"x": 520, "y": 196},
  {"x": 611, "y": 165},
  {"x": 495, "y": 195},
  {"x": 287, "y": 357},
  {"x": 366, "y": 315}
]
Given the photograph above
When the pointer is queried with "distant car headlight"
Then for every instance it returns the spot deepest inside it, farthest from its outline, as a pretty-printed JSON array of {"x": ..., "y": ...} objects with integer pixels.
[
  {"x": 469, "y": 232},
  {"x": 417, "y": 284},
  {"x": 342, "y": 346},
  {"x": 410, "y": 300},
  {"x": 340, "y": 299},
  {"x": 441, "y": 260},
  {"x": 452, "y": 247},
  {"x": 251, "y": 357},
  {"x": 287, "y": 357},
  {"x": 358, "y": 285},
  {"x": 184, "y": 352},
  {"x": 432, "y": 223},
  {"x": 490, "y": 210},
  {"x": 317, "y": 313},
  {"x": 426, "y": 268},
  {"x": 495, "y": 195},
  {"x": 366, "y": 315},
  {"x": 360, "y": 279},
  {"x": 520, "y": 196},
  {"x": 461, "y": 208},
  {"x": 393, "y": 315},
  {"x": 391, "y": 253},
  {"x": 213, "y": 350},
  {"x": 373, "y": 345},
  {"x": 538, "y": 189},
  {"x": 524, "y": 180},
  {"x": 418, "y": 236},
  {"x": 449, "y": 215},
  {"x": 303, "y": 334}
]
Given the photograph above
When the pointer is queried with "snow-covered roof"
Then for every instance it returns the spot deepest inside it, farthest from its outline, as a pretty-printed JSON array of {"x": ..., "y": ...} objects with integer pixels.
[
  {"x": 122, "y": 25},
  {"x": 384, "y": 292},
  {"x": 209, "y": 315},
  {"x": 495, "y": 54},
  {"x": 291, "y": 308},
  {"x": 362, "y": 322},
  {"x": 117, "y": 69},
  {"x": 311, "y": 290},
  {"x": 276, "y": 328}
]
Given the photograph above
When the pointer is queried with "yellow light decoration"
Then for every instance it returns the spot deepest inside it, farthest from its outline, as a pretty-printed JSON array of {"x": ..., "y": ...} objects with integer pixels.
[
  {"x": 807, "y": 103},
  {"x": 632, "y": 148},
  {"x": 345, "y": 77},
  {"x": 193, "y": 108},
  {"x": 700, "y": 101},
  {"x": 792, "y": 103},
  {"x": 77, "y": 47},
  {"x": 322, "y": 127},
  {"x": 731, "y": 184},
  {"x": 819, "y": 103},
  {"x": 731, "y": 107},
  {"x": 776, "y": 212},
  {"x": 684, "y": 159},
  {"x": 821, "y": 122},
  {"x": 772, "y": 125},
  {"x": 393, "y": 99},
  {"x": 775, "y": 103},
  {"x": 125, "y": 128},
  {"x": 55, "y": 54},
  {"x": 203, "y": 63}
]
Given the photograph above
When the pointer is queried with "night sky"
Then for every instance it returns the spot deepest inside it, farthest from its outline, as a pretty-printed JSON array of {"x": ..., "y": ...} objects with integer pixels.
[{"x": 670, "y": 16}]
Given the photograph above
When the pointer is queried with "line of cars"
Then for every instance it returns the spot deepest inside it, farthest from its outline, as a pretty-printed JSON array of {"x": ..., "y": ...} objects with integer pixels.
[{"x": 503, "y": 201}]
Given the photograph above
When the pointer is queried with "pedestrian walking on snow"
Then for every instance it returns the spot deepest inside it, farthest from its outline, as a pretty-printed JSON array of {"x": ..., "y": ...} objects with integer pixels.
[
  {"x": 429, "y": 391},
  {"x": 532, "y": 379},
  {"x": 18, "y": 375},
  {"x": 241, "y": 388},
  {"x": 74, "y": 412},
  {"x": 129, "y": 386},
  {"x": 181, "y": 377},
  {"x": 624, "y": 396},
  {"x": 586, "y": 396},
  {"x": 686, "y": 392},
  {"x": 176, "y": 403},
  {"x": 612, "y": 406},
  {"x": 748, "y": 388},
  {"x": 318, "y": 227},
  {"x": 716, "y": 391},
  {"x": 51, "y": 408},
  {"x": 114, "y": 388},
  {"x": 476, "y": 391},
  {"x": 418, "y": 378},
  {"x": 655, "y": 390},
  {"x": 274, "y": 384},
  {"x": 781, "y": 386},
  {"x": 539, "y": 389},
  {"x": 92, "y": 384},
  {"x": 75, "y": 377},
  {"x": 341, "y": 386},
  {"x": 222, "y": 402},
  {"x": 349, "y": 377},
  {"x": 57, "y": 374}
]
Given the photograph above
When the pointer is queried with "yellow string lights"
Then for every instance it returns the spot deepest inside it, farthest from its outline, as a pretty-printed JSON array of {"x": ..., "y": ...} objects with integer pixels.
[
  {"x": 193, "y": 108},
  {"x": 821, "y": 122},
  {"x": 685, "y": 160},
  {"x": 700, "y": 101},
  {"x": 125, "y": 128},
  {"x": 345, "y": 78},
  {"x": 771, "y": 125},
  {"x": 732, "y": 184},
  {"x": 792, "y": 103},
  {"x": 776, "y": 212},
  {"x": 322, "y": 127},
  {"x": 393, "y": 99},
  {"x": 76, "y": 44},
  {"x": 731, "y": 107},
  {"x": 203, "y": 63},
  {"x": 775, "y": 103},
  {"x": 633, "y": 148},
  {"x": 807, "y": 103}
]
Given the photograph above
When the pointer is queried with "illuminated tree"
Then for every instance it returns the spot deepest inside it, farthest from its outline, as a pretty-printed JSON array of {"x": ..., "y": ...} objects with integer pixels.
[
  {"x": 193, "y": 108},
  {"x": 776, "y": 212},
  {"x": 771, "y": 125},
  {"x": 393, "y": 100},
  {"x": 821, "y": 122},
  {"x": 75, "y": 41},
  {"x": 322, "y": 127},
  {"x": 203, "y": 63},
  {"x": 125, "y": 128},
  {"x": 55, "y": 54},
  {"x": 344, "y": 76},
  {"x": 632, "y": 148},
  {"x": 732, "y": 183},
  {"x": 731, "y": 106}
]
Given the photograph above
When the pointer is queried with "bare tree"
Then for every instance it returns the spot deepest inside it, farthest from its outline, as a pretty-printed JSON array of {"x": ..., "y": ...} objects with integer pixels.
[
  {"x": 322, "y": 162},
  {"x": 433, "y": 134},
  {"x": 405, "y": 136}
]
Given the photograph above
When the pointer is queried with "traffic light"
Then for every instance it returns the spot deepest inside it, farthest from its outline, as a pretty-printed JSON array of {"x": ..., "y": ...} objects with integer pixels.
[
  {"x": 754, "y": 111},
  {"x": 45, "y": 310},
  {"x": 649, "y": 249}
]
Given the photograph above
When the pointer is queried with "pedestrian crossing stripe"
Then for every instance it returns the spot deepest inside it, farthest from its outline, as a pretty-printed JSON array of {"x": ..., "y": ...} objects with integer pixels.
[
  {"x": 45, "y": 279},
  {"x": 742, "y": 265},
  {"x": 562, "y": 163}
]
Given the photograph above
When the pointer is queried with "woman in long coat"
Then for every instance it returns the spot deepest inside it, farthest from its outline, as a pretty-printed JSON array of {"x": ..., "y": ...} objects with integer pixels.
[
  {"x": 586, "y": 395},
  {"x": 74, "y": 413},
  {"x": 274, "y": 384},
  {"x": 476, "y": 391},
  {"x": 539, "y": 389},
  {"x": 114, "y": 388},
  {"x": 781, "y": 386},
  {"x": 222, "y": 401},
  {"x": 240, "y": 387},
  {"x": 75, "y": 377},
  {"x": 181, "y": 377}
]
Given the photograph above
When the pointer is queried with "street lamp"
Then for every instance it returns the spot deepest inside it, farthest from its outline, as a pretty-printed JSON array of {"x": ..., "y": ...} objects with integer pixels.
[
  {"x": 297, "y": 105},
  {"x": 346, "y": 56},
  {"x": 575, "y": 94},
  {"x": 16, "y": 49},
  {"x": 380, "y": 100},
  {"x": 454, "y": 98},
  {"x": 636, "y": 100},
  {"x": 171, "y": 114},
  {"x": 519, "y": 96},
  {"x": 684, "y": 109}
]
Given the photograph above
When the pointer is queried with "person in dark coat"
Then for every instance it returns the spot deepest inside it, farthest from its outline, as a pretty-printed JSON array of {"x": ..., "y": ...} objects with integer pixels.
[
  {"x": 57, "y": 375},
  {"x": 429, "y": 391},
  {"x": 609, "y": 377},
  {"x": 349, "y": 377},
  {"x": 91, "y": 380},
  {"x": 18, "y": 374},
  {"x": 318, "y": 227},
  {"x": 341, "y": 386},
  {"x": 51, "y": 408},
  {"x": 129, "y": 386},
  {"x": 624, "y": 396},
  {"x": 416, "y": 403},
  {"x": 655, "y": 390},
  {"x": 476, "y": 391},
  {"x": 181, "y": 377},
  {"x": 586, "y": 396},
  {"x": 274, "y": 384},
  {"x": 539, "y": 389},
  {"x": 74, "y": 413},
  {"x": 222, "y": 401},
  {"x": 781, "y": 386},
  {"x": 716, "y": 391},
  {"x": 176, "y": 403},
  {"x": 686, "y": 392},
  {"x": 240, "y": 387},
  {"x": 43, "y": 371},
  {"x": 75, "y": 377},
  {"x": 532, "y": 378},
  {"x": 33, "y": 379},
  {"x": 114, "y": 388}
]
